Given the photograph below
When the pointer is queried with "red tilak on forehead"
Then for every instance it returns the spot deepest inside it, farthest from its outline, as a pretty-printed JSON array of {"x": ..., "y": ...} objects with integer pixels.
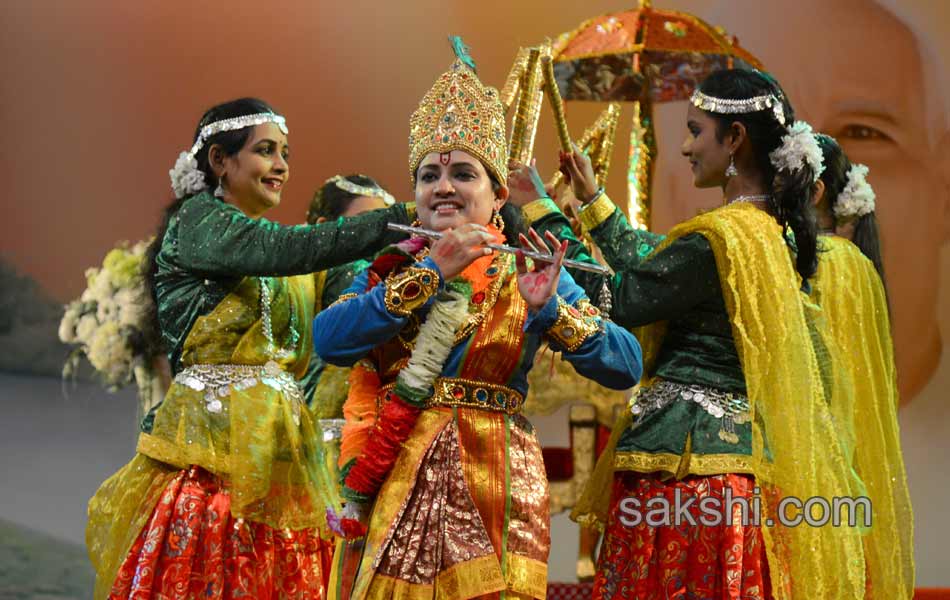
[{"x": 445, "y": 157}]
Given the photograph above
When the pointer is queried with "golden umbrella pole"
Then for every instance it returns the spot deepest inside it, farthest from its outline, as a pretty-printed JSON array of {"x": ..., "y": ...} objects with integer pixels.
[
  {"x": 512, "y": 88},
  {"x": 557, "y": 105},
  {"x": 525, "y": 123},
  {"x": 598, "y": 142},
  {"x": 640, "y": 165}
]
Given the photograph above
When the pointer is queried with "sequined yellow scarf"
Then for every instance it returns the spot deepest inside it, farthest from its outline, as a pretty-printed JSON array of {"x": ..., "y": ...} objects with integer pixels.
[
  {"x": 851, "y": 295},
  {"x": 789, "y": 410}
]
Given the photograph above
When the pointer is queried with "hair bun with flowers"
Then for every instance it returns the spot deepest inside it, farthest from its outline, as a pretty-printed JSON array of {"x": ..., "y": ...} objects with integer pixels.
[
  {"x": 799, "y": 148},
  {"x": 857, "y": 197}
]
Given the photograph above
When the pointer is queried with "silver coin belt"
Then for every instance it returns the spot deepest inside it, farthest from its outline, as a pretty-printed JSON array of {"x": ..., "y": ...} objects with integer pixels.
[
  {"x": 218, "y": 381},
  {"x": 729, "y": 407}
]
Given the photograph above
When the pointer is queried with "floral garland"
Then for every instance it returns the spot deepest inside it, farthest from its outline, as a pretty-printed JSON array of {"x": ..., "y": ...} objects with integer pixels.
[
  {"x": 799, "y": 148},
  {"x": 404, "y": 403},
  {"x": 109, "y": 324},
  {"x": 857, "y": 197}
]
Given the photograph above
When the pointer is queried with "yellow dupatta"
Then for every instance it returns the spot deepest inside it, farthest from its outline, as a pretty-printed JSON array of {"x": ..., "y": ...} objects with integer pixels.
[
  {"x": 851, "y": 295},
  {"x": 790, "y": 413}
]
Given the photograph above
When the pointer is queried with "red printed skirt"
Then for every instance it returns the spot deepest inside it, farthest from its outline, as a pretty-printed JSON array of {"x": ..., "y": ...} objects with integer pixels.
[
  {"x": 677, "y": 560},
  {"x": 191, "y": 547}
]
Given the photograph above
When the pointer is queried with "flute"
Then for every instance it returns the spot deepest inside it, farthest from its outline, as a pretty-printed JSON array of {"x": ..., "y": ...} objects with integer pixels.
[{"x": 538, "y": 256}]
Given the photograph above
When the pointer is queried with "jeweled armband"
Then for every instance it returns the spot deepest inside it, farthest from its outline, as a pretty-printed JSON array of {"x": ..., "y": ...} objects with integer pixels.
[
  {"x": 410, "y": 289},
  {"x": 574, "y": 324}
]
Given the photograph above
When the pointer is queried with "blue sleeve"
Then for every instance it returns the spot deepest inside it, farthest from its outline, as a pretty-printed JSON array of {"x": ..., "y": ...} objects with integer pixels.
[
  {"x": 610, "y": 355},
  {"x": 346, "y": 331}
]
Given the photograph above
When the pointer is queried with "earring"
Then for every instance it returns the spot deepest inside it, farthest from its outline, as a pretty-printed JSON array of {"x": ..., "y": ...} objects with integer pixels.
[
  {"x": 219, "y": 191},
  {"x": 731, "y": 170},
  {"x": 605, "y": 298},
  {"x": 496, "y": 220}
]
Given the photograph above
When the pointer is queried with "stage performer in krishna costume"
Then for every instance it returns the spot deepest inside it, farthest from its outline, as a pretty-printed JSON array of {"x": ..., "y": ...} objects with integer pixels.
[
  {"x": 220, "y": 499},
  {"x": 851, "y": 290},
  {"x": 438, "y": 462},
  {"x": 734, "y": 404}
]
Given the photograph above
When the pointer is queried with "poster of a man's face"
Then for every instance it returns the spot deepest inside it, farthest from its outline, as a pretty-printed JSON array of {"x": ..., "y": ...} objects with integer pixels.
[{"x": 881, "y": 101}]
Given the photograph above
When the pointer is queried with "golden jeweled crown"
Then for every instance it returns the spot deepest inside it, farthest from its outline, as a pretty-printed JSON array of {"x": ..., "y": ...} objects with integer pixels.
[{"x": 459, "y": 113}]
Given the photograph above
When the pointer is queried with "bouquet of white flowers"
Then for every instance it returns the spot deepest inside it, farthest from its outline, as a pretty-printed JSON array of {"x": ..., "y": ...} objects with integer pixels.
[{"x": 111, "y": 324}]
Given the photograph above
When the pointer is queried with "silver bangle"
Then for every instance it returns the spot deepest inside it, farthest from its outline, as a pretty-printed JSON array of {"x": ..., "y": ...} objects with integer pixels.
[{"x": 597, "y": 195}]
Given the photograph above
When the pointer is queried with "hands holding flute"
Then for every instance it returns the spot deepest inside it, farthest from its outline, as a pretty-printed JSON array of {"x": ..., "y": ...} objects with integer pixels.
[{"x": 455, "y": 249}]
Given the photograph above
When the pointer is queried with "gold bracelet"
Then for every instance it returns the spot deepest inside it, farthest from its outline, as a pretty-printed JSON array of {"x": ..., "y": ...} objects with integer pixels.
[
  {"x": 597, "y": 212},
  {"x": 410, "y": 289},
  {"x": 574, "y": 324}
]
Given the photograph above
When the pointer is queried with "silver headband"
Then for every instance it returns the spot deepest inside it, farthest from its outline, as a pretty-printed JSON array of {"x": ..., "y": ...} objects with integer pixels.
[
  {"x": 360, "y": 190},
  {"x": 729, "y": 106},
  {"x": 185, "y": 176},
  {"x": 236, "y": 123}
]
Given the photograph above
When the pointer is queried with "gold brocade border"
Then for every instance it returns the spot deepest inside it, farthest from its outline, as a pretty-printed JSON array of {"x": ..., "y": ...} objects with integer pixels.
[
  {"x": 484, "y": 450},
  {"x": 682, "y": 465},
  {"x": 526, "y": 576},
  {"x": 471, "y": 578},
  {"x": 535, "y": 211},
  {"x": 390, "y": 588},
  {"x": 476, "y": 577},
  {"x": 395, "y": 492},
  {"x": 595, "y": 213}
]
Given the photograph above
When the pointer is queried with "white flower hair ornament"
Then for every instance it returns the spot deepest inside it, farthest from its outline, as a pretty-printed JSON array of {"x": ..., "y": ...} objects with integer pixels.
[
  {"x": 857, "y": 197},
  {"x": 186, "y": 178},
  {"x": 799, "y": 148}
]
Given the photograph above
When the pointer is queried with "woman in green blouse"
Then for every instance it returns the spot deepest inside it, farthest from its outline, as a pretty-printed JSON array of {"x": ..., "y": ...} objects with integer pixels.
[
  {"x": 733, "y": 406},
  {"x": 220, "y": 499}
]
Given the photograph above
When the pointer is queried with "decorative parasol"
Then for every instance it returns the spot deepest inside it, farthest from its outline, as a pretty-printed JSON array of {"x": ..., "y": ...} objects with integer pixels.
[{"x": 642, "y": 56}]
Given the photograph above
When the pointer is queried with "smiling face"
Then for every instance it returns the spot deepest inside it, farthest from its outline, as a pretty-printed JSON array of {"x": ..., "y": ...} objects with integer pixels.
[
  {"x": 255, "y": 176},
  {"x": 453, "y": 189},
  {"x": 708, "y": 156}
]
